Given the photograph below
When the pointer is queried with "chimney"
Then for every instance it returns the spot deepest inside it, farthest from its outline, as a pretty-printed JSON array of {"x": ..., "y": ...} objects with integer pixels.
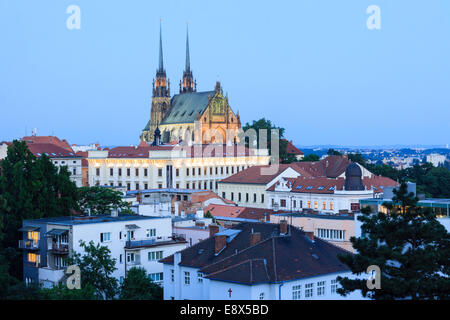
[
  {"x": 228, "y": 225},
  {"x": 213, "y": 229},
  {"x": 309, "y": 235},
  {"x": 283, "y": 227},
  {"x": 219, "y": 243},
  {"x": 255, "y": 238}
]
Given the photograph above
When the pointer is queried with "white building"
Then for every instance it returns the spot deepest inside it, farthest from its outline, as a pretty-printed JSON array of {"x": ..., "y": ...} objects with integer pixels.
[
  {"x": 134, "y": 241},
  {"x": 170, "y": 166},
  {"x": 436, "y": 159},
  {"x": 256, "y": 261}
]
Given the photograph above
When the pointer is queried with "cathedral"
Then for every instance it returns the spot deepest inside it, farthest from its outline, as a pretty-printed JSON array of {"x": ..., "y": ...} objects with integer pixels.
[{"x": 187, "y": 114}]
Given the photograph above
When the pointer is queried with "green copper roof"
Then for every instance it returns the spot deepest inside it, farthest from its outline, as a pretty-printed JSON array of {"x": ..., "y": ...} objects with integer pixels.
[
  {"x": 185, "y": 107},
  {"x": 147, "y": 127}
]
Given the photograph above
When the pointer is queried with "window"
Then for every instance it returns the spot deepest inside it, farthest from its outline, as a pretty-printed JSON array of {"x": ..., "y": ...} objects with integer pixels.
[
  {"x": 155, "y": 255},
  {"x": 262, "y": 198},
  {"x": 34, "y": 258},
  {"x": 224, "y": 195},
  {"x": 159, "y": 186},
  {"x": 130, "y": 257},
  {"x": 205, "y": 185},
  {"x": 315, "y": 205},
  {"x": 187, "y": 171},
  {"x": 178, "y": 186},
  {"x": 177, "y": 172},
  {"x": 246, "y": 197},
  {"x": 261, "y": 296},
  {"x": 354, "y": 206},
  {"x": 226, "y": 169},
  {"x": 331, "y": 205},
  {"x": 283, "y": 203},
  {"x": 156, "y": 277},
  {"x": 211, "y": 185},
  {"x": 172, "y": 275},
  {"x": 160, "y": 172},
  {"x": 137, "y": 186},
  {"x": 205, "y": 171},
  {"x": 309, "y": 290},
  {"x": 333, "y": 286},
  {"x": 128, "y": 186},
  {"x": 97, "y": 171},
  {"x": 187, "y": 185},
  {"x": 331, "y": 234},
  {"x": 74, "y": 171},
  {"x": 232, "y": 172},
  {"x": 297, "y": 292},
  {"x": 210, "y": 170},
  {"x": 111, "y": 171},
  {"x": 217, "y": 170},
  {"x": 187, "y": 278},
  {"x": 120, "y": 171},
  {"x": 321, "y": 288},
  {"x": 137, "y": 172},
  {"x": 105, "y": 236},
  {"x": 200, "y": 277},
  {"x": 193, "y": 171},
  {"x": 232, "y": 196},
  {"x": 199, "y": 171},
  {"x": 254, "y": 197},
  {"x": 146, "y": 185},
  {"x": 120, "y": 258},
  {"x": 309, "y": 204},
  {"x": 324, "y": 205},
  {"x": 145, "y": 173},
  {"x": 150, "y": 233},
  {"x": 128, "y": 172},
  {"x": 221, "y": 170}
]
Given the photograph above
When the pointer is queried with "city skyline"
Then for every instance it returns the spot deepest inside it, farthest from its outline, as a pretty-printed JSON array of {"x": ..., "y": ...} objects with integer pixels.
[{"x": 348, "y": 85}]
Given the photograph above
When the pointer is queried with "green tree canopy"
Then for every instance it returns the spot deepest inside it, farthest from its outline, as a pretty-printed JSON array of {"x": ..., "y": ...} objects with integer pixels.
[
  {"x": 96, "y": 267},
  {"x": 30, "y": 188},
  {"x": 409, "y": 245},
  {"x": 101, "y": 200},
  {"x": 263, "y": 124},
  {"x": 138, "y": 286},
  {"x": 332, "y": 152},
  {"x": 311, "y": 157}
]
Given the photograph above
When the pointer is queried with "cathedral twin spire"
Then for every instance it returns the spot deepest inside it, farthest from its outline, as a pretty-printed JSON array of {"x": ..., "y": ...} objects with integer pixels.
[{"x": 162, "y": 88}]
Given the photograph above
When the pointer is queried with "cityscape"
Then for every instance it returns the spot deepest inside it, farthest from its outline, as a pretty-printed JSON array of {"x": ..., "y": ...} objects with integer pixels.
[{"x": 198, "y": 188}]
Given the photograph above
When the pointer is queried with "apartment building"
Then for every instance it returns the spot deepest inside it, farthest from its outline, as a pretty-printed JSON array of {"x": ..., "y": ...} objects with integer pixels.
[
  {"x": 134, "y": 241},
  {"x": 256, "y": 261}
]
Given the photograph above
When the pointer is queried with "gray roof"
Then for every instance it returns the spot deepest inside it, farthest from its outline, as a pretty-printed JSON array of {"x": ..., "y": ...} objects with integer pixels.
[{"x": 185, "y": 106}]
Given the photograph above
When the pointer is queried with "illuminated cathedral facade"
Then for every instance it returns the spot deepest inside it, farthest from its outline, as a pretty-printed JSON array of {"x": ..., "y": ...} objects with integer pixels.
[{"x": 189, "y": 116}]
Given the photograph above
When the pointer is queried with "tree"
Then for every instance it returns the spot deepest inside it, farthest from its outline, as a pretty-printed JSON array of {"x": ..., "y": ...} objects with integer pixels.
[
  {"x": 409, "y": 245},
  {"x": 311, "y": 157},
  {"x": 101, "y": 200},
  {"x": 138, "y": 286},
  {"x": 209, "y": 215},
  {"x": 30, "y": 188},
  {"x": 96, "y": 267},
  {"x": 332, "y": 152},
  {"x": 263, "y": 124},
  {"x": 358, "y": 158},
  {"x": 61, "y": 292}
]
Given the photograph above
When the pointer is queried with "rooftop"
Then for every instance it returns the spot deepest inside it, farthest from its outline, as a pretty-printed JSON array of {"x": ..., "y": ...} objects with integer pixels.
[{"x": 78, "y": 220}]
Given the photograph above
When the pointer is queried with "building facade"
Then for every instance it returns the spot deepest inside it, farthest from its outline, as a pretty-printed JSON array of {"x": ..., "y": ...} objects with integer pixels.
[
  {"x": 134, "y": 241},
  {"x": 168, "y": 166}
]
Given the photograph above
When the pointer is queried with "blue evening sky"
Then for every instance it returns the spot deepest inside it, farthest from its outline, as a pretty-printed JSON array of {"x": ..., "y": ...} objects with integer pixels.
[{"x": 312, "y": 67}]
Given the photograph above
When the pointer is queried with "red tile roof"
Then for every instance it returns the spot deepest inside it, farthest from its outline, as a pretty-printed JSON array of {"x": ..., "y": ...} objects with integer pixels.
[
  {"x": 51, "y": 150},
  {"x": 218, "y": 210},
  {"x": 253, "y": 175},
  {"x": 48, "y": 140},
  {"x": 290, "y": 148}
]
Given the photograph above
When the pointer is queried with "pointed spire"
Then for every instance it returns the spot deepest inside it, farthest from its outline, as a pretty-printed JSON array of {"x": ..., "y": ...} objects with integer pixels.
[
  {"x": 188, "y": 62},
  {"x": 161, "y": 63}
]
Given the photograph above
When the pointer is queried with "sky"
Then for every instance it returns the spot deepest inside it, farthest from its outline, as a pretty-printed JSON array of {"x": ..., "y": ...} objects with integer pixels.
[{"x": 312, "y": 67}]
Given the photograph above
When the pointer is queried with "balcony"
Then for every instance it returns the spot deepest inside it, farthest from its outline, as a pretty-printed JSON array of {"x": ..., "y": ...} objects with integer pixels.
[
  {"x": 29, "y": 244},
  {"x": 58, "y": 248}
]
